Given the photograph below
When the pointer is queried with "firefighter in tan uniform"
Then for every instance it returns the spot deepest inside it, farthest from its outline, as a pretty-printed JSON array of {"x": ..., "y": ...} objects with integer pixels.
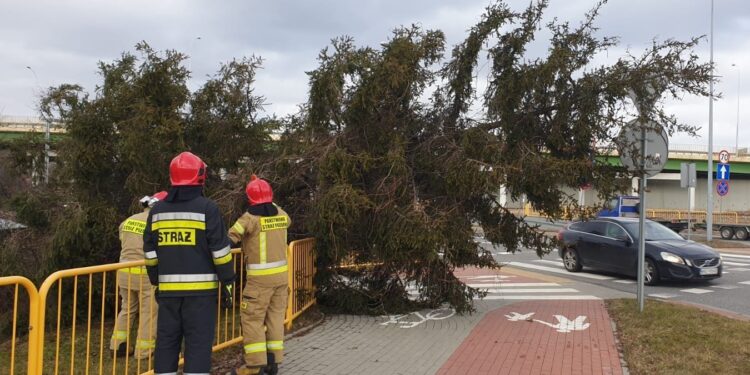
[
  {"x": 262, "y": 230},
  {"x": 135, "y": 289}
]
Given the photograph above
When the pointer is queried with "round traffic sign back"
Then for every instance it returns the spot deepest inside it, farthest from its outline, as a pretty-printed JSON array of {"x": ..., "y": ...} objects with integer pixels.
[{"x": 657, "y": 147}]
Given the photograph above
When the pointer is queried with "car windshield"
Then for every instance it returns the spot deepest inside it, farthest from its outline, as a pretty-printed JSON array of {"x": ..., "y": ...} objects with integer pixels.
[{"x": 654, "y": 231}]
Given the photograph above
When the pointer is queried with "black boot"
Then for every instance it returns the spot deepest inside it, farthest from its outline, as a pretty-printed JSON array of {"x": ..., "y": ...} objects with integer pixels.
[
  {"x": 244, "y": 370},
  {"x": 272, "y": 368},
  {"x": 122, "y": 350}
]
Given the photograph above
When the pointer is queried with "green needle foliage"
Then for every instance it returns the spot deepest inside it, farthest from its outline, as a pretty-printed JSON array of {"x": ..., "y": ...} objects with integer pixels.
[
  {"x": 393, "y": 164},
  {"x": 117, "y": 147},
  {"x": 397, "y": 160}
]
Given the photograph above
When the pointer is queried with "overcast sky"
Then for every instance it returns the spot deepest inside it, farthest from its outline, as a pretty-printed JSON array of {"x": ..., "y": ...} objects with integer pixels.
[{"x": 63, "y": 40}]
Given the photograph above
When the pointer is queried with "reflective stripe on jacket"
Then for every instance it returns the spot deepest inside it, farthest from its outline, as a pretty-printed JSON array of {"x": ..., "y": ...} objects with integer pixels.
[
  {"x": 186, "y": 247},
  {"x": 264, "y": 244}
]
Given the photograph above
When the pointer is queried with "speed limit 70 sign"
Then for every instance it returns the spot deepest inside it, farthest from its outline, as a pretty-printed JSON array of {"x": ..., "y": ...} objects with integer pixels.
[{"x": 724, "y": 157}]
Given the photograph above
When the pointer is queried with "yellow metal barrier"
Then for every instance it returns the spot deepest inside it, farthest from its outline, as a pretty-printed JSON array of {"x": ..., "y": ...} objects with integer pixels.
[
  {"x": 83, "y": 326},
  {"x": 90, "y": 351},
  {"x": 301, "y": 257},
  {"x": 24, "y": 336}
]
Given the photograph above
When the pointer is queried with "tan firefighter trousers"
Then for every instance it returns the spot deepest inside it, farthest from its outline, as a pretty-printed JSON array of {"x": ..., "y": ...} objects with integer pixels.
[
  {"x": 263, "y": 305},
  {"x": 137, "y": 297}
]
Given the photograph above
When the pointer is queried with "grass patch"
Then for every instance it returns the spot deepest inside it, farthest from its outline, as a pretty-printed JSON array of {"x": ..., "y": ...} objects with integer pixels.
[
  {"x": 91, "y": 350},
  {"x": 674, "y": 339}
]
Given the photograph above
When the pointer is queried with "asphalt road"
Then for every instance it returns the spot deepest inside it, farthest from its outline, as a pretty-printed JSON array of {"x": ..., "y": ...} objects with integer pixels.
[{"x": 730, "y": 292}]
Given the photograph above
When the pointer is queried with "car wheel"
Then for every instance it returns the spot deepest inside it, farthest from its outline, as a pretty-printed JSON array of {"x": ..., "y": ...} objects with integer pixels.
[
  {"x": 741, "y": 234},
  {"x": 650, "y": 272},
  {"x": 571, "y": 261},
  {"x": 727, "y": 233}
]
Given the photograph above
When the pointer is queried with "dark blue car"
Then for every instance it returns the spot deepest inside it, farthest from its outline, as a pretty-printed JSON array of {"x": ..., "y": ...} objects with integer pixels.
[{"x": 611, "y": 244}]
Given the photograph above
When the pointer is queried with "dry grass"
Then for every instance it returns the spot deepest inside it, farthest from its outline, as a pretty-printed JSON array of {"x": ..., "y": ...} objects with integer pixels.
[{"x": 675, "y": 339}]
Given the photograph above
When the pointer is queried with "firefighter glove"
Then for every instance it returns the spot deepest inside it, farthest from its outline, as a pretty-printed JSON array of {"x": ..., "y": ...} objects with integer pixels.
[{"x": 227, "y": 296}]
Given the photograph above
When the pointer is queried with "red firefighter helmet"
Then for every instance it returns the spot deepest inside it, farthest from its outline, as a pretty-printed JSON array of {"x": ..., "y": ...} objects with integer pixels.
[
  {"x": 258, "y": 191},
  {"x": 186, "y": 169}
]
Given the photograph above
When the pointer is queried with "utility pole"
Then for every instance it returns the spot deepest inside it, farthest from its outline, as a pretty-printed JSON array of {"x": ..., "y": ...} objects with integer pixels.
[
  {"x": 737, "y": 129},
  {"x": 46, "y": 133},
  {"x": 710, "y": 191}
]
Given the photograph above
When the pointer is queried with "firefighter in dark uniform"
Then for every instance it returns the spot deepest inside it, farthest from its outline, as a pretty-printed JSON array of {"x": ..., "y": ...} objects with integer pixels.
[
  {"x": 135, "y": 289},
  {"x": 262, "y": 230},
  {"x": 188, "y": 258}
]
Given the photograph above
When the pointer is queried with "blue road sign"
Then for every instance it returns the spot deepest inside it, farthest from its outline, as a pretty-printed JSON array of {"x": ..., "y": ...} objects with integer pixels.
[
  {"x": 722, "y": 171},
  {"x": 722, "y": 187}
]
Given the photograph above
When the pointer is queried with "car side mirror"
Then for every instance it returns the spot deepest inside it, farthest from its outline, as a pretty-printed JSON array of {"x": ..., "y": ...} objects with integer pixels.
[{"x": 624, "y": 239}]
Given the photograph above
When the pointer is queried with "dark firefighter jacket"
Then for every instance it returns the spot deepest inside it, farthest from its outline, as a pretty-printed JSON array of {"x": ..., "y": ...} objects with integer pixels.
[{"x": 186, "y": 245}]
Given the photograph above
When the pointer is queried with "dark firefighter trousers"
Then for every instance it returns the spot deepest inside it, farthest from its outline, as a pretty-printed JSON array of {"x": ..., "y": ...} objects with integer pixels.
[{"x": 192, "y": 319}]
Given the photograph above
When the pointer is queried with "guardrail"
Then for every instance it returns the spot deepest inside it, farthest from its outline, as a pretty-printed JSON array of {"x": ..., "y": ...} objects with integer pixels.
[
  {"x": 727, "y": 217},
  {"x": 79, "y": 305}
]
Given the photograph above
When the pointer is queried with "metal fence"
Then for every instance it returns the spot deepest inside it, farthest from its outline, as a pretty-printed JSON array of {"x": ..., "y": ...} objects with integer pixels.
[
  {"x": 71, "y": 318},
  {"x": 18, "y": 331},
  {"x": 726, "y": 217},
  {"x": 302, "y": 291}
]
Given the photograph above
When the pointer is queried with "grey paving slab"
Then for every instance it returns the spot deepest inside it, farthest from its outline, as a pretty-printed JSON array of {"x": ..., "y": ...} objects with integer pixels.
[{"x": 346, "y": 344}]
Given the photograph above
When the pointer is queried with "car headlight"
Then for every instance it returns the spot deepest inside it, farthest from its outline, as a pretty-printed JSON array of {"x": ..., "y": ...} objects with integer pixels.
[{"x": 669, "y": 257}]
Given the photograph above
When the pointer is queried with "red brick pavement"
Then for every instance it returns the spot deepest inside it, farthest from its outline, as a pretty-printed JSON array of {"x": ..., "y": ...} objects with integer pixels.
[{"x": 500, "y": 346}]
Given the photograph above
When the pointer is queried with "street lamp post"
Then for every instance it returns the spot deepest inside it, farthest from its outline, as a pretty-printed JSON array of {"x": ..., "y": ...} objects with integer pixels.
[
  {"x": 46, "y": 134},
  {"x": 737, "y": 129},
  {"x": 190, "y": 50},
  {"x": 710, "y": 171}
]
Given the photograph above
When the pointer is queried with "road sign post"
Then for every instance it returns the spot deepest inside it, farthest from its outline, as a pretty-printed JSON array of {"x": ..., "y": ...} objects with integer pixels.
[
  {"x": 688, "y": 180},
  {"x": 644, "y": 149}
]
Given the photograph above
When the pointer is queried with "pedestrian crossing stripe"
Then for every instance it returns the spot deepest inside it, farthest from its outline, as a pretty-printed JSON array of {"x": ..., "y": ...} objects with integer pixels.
[{"x": 542, "y": 297}]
